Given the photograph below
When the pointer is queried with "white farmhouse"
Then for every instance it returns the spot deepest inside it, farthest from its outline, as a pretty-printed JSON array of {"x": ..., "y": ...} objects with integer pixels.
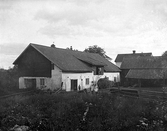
[{"x": 51, "y": 67}]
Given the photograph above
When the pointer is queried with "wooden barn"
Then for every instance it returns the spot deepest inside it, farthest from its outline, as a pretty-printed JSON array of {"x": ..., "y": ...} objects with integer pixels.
[
  {"x": 51, "y": 68},
  {"x": 120, "y": 57},
  {"x": 144, "y": 71}
]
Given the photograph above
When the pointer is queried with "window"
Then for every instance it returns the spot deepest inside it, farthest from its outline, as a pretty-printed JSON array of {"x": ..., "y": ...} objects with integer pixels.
[
  {"x": 42, "y": 82},
  {"x": 99, "y": 71},
  {"x": 87, "y": 81}
]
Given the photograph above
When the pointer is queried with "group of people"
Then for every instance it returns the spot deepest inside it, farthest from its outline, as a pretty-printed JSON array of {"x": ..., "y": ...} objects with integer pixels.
[{"x": 94, "y": 87}]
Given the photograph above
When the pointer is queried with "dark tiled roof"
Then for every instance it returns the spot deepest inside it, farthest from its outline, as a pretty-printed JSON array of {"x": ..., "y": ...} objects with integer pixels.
[
  {"x": 76, "y": 61},
  {"x": 145, "y": 67},
  {"x": 89, "y": 60},
  {"x": 146, "y": 74},
  {"x": 120, "y": 57},
  {"x": 144, "y": 62}
]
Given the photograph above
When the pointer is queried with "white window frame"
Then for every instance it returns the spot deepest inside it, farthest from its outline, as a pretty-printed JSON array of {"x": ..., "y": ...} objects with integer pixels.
[{"x": 87, "y": 81}]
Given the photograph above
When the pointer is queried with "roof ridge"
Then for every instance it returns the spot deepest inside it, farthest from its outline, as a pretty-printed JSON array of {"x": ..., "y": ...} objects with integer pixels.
[
  {"x": 65, "y": 49},
  {"x": 44, "y": 46},
  {"x": 136, "y": 53}
]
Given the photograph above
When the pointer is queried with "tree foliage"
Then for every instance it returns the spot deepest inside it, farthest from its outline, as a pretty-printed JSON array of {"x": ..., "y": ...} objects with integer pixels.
[
  {"x": 97, "y": 49},
  {"x": 9, "y": 79}
]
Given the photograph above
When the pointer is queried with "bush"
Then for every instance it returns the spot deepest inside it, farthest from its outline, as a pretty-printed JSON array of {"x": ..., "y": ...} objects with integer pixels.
[
  {"x": 105, "y": 83},
  {"x": 9, "y": 79}
]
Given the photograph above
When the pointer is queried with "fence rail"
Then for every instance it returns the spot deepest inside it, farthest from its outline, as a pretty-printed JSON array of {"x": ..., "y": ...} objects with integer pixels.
[{"x": 139, "y": 93}]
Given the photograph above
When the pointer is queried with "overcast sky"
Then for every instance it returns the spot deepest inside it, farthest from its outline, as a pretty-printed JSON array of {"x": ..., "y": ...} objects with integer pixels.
[{"x": 118, "y": 26}]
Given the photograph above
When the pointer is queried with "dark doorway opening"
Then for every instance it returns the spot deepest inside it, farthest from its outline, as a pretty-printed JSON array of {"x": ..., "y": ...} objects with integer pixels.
[
  {"x": 30, "y": 83},
  {"x": 74, "y": 84}
]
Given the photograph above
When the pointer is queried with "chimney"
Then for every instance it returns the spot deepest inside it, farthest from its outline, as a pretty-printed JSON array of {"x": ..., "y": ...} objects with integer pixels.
[
  {"x": 70, "y": 47},
  {"x": 52, "y": 45},
  {"x": 134, "y": 51}
]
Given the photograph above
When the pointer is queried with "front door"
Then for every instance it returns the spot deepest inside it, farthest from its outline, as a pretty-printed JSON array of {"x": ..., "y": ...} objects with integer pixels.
[{"x": 74, "y": 84}]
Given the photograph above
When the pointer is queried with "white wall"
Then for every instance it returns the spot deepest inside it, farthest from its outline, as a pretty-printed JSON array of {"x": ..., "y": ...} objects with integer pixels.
[
  {"x": 112, "y": 75},
  {"x": 81, "y": 77},
  {"x": 56, "y": 78}
]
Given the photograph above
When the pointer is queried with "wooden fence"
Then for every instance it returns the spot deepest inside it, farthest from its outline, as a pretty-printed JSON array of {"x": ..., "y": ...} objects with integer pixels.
[{"x": 136, "y": 93}]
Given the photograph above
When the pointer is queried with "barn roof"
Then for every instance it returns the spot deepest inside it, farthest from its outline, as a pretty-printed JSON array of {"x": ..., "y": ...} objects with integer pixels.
[
  {"x": 146, "y": 74},
  {"x": 148, "y": 62},
  {"x": 70, "y": 60},
  {"x": 145, "y": 67},
  {"x": 120, "y": 57}
]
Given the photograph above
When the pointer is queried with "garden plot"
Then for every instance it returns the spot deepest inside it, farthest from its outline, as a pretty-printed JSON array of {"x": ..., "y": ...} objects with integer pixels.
[{"x": 74, "y": 111}]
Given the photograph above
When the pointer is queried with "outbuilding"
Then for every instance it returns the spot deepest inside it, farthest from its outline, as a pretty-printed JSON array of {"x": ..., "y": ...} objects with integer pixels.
[{"x": 145, "y": 71}]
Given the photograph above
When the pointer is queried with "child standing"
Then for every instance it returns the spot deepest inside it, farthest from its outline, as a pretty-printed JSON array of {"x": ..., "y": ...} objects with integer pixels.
[{"x": 96, "y": 88}]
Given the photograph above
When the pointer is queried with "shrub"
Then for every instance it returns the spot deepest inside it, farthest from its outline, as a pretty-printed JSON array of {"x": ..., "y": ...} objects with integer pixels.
[
  {"x": 9, "y": 79},
  {"x": 105, "y": 83}
]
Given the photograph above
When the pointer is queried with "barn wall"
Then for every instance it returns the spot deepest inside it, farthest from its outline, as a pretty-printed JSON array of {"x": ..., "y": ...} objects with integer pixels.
[
  {"x": 123, "y": 73},
  {"x": 50, "y": 83},
  {"x": 22, "y": 84},
  {"x": 33, "y": 64}
]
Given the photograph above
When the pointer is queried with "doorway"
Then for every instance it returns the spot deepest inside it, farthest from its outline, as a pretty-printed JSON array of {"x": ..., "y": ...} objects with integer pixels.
[
  {"x": 30, "y": 83},
  {"x": 74, "y": 84}
]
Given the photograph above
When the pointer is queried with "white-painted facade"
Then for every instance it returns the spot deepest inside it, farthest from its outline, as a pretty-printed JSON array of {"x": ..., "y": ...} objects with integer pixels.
[
  {"x": 62, "y": 80},
  {"x": 80, "y": 77}
]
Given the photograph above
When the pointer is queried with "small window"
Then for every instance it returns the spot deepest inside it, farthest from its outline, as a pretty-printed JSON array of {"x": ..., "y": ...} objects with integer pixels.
[
  {"x": 99, "y": 71},
  {"x": 42, "y": 82},
  {"x": 87, "y": 81}
]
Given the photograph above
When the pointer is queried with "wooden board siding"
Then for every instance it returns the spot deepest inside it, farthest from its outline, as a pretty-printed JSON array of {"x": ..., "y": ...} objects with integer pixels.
[
  {"x": 34, "y": 64},
  {"x": 122, "y": 76}
]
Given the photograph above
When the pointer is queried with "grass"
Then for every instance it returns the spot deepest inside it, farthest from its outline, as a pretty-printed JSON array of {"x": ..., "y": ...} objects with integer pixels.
[
  {"x": 15, "y": 91},
  {"x": 79, "y": 112}
]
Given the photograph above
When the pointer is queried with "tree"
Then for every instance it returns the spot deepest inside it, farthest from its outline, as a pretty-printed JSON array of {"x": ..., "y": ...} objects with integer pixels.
[
  {"x": 99, "y": 50},
  {"x": 9, "y": 79}
]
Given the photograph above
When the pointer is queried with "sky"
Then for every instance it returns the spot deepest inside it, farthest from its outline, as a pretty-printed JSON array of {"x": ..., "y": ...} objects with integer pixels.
[{"x": 117, "y": 26}]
